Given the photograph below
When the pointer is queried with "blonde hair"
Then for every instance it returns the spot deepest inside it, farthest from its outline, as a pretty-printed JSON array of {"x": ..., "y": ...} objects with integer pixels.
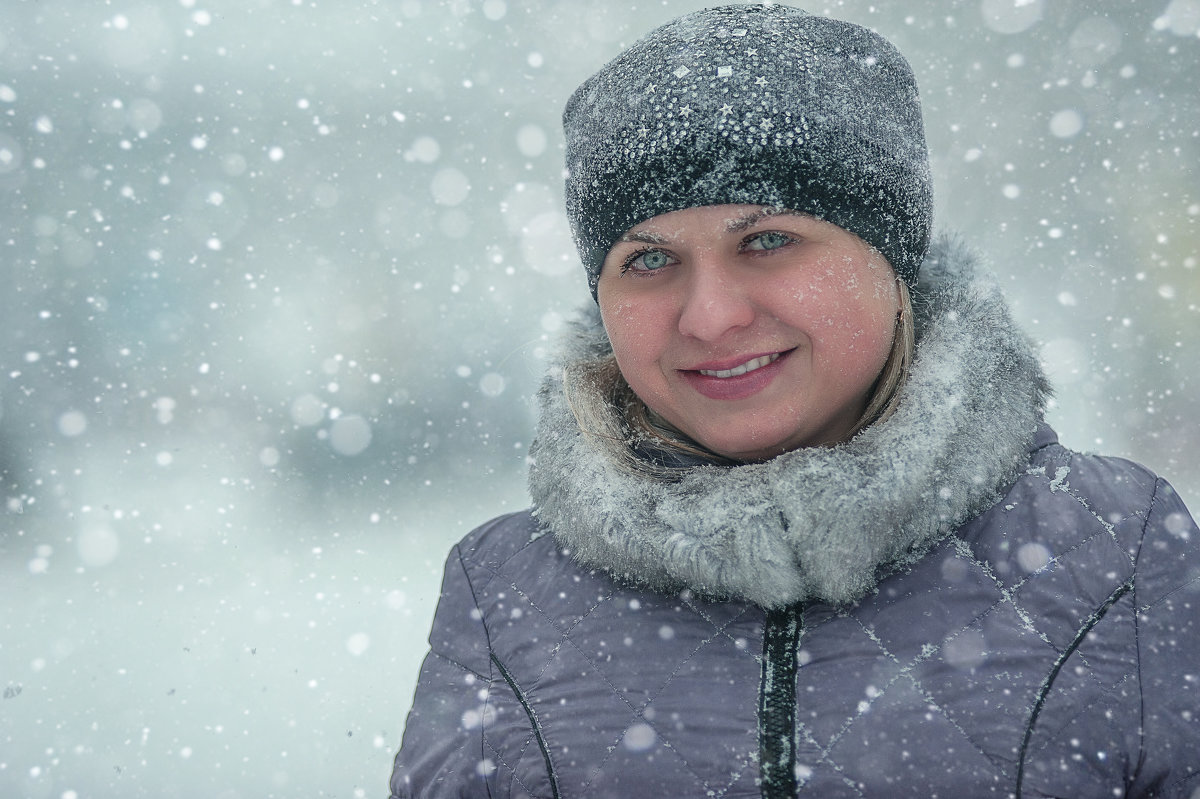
[{"x": 607, "y": 409}]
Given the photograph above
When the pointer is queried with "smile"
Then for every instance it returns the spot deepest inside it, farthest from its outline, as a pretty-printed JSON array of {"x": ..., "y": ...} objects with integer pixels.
[{"x": 738, "y": 371}]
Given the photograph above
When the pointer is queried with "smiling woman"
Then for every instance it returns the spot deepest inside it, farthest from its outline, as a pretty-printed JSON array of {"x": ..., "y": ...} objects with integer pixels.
[{"x": 798, "y": 524}]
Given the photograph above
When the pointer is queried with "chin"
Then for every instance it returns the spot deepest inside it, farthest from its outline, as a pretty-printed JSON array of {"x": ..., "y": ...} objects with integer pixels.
[
  {"x": 753, "y": 451},
  {"x": 752, "y": 448}
]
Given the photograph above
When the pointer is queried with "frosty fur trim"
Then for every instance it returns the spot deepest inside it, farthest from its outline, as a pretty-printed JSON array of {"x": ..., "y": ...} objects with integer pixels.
[{"x": 820, "y": 523}]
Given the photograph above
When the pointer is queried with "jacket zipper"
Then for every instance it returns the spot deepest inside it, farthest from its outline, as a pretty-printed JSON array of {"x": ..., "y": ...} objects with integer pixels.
[{"x": 777, "y": 703}]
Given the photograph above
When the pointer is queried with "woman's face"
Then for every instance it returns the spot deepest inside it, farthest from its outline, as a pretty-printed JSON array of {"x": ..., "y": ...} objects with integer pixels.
[{"x": 752, "y": 330}]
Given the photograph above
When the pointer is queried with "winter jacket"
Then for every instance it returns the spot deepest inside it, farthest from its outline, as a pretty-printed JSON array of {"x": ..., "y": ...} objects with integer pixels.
[{"x": 950, "y": 605}]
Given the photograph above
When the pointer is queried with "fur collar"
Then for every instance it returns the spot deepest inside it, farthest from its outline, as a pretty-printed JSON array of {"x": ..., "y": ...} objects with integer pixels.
[{"x": 818, "y": 524}]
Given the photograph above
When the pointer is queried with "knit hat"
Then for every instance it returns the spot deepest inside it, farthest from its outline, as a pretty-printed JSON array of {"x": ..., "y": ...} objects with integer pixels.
[{"x": 749, "y": 104}]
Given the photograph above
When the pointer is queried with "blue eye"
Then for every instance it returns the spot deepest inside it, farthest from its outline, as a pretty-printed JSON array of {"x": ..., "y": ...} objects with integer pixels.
[
  {"x": 646, "y": 261},
  {"x": 769, "y": 240}
]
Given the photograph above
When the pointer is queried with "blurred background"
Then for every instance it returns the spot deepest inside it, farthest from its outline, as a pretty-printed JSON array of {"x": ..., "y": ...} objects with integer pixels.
[{"x": 279, "y": 277}]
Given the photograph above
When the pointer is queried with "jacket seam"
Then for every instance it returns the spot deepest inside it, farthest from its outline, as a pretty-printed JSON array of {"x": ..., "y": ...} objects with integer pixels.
[
  {"x": 917, "y": 685},
  {"x": 565, "y": 637},
  {"x": 534, "y": 538},
  {"x": 1137, "y": 641},
  {"x": 564, "y": 633},
  {"x": 1137, "y": 637},
  {"x": 456, "y": 663},
  {"x": 1044, "y": 691},
  {"x": 534, "y": 723},
  {"x": 494, "y": 572},
  {"x": 484, "y": 745},
  {"x": 487, "y": 637},
  {"x": 1055, "y": 444}
]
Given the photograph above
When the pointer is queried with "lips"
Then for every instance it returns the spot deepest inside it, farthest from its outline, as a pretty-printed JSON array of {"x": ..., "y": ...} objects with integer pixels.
[{"x": 737, "y": 379}]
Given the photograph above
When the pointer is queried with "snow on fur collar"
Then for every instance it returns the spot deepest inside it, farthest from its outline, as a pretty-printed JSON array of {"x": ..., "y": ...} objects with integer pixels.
[{"x": 819, "y": 523}]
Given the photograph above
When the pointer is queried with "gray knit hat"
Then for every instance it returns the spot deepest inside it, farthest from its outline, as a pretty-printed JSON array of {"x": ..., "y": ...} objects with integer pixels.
[{"x": 762, "y": 105}]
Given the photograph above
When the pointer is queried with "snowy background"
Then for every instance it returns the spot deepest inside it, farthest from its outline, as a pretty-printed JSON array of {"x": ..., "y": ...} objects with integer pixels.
[{"x": 278, "y": 277}]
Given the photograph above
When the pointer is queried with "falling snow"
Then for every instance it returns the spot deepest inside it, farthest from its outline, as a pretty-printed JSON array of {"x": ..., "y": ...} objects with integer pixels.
[{"x": 282, "y": 278}]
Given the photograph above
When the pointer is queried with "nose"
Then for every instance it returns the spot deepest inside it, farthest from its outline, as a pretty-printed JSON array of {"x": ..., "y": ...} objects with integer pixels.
[{"x": 714, "y": 302}]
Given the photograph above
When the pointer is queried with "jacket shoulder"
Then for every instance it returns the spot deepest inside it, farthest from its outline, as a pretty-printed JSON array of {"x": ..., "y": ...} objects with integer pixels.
[
  {"x": 1104, "y": 479},
  {"x": 499, "y": 539},
  {"x": 512, "y": 547},
  {"x": 1073, "y": 507}
]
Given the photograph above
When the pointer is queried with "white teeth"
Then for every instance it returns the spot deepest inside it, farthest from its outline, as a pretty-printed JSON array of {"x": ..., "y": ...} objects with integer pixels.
[{"x": 748, "y": 366}]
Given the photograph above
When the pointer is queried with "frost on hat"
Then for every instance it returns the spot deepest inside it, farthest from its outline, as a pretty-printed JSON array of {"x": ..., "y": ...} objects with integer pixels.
[{"x": 762, "y": 105}]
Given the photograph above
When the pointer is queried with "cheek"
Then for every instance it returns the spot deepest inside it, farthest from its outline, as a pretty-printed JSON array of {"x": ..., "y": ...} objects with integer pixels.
[
  {"x": 858, "y": 322},
  {"x": 636, "y": 333},
  {"x": 622, "y": 322}
]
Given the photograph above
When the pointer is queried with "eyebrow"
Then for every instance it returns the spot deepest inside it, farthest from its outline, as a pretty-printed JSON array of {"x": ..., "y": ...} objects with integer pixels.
[
  {"x": 644, "y": 237},
  {"x": 733, "y": 226},
  {"x": 750, "y": 220}
]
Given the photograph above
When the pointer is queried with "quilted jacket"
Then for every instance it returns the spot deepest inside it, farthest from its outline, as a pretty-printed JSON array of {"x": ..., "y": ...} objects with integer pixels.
[{"x": 950, "y": 605}]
